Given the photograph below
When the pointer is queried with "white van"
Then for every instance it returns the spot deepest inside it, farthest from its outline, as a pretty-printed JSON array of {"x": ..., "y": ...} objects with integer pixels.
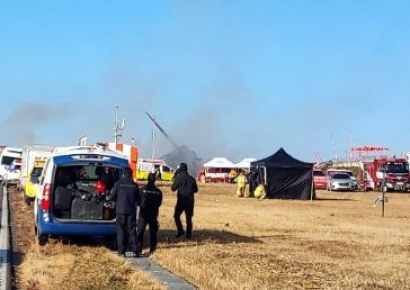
[
  {"x": 12, "y": 175},
  {"x": 8, "y": 155}
]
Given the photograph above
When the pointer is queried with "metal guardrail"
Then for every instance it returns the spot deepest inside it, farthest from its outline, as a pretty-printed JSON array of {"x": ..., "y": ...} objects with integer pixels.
[{"x": 5, "y": 255}]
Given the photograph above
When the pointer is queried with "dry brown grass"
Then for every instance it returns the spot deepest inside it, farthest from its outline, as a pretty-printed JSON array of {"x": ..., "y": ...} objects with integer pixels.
[
  {"x": 337, "y": 242},
  {"x": 81, "y": 265}
]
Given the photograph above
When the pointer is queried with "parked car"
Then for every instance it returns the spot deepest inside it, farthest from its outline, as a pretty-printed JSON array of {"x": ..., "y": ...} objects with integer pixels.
[
  {"x": 340, "y": 181},
  {"x": 12, "y": 175},
  {"x": 71, "y": 199},
  {"x": 319, "y": 179},
  {"x": 352, "y": 176}
]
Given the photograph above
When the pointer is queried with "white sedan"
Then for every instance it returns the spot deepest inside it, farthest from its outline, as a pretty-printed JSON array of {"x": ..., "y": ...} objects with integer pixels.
[{"x": 341, "y": 181}]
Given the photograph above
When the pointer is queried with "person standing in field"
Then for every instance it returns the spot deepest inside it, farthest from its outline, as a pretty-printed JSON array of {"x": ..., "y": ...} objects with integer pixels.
[
  {"x": 126, "y": 194},
  {"x": 150, "y": 201},
  {"x": 232, "y": 175},
  {"x": 186, "y": 188},
  {"x": 241, "y": 188}
]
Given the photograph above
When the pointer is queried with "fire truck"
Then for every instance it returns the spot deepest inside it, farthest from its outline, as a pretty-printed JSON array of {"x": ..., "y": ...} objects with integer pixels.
[{"x": 395, "y": 170}]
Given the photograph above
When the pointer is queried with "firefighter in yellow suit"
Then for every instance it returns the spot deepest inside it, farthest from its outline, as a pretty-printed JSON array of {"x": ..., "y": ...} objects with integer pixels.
[
  {"x": 241, "y": 189},
  {"x": 260, "y": 192},
  {"x": 232, "y": 175}
]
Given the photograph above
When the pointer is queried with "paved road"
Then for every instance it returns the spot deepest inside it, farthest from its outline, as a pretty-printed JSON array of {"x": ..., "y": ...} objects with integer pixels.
[
  {"x": 5, "y": 278},
  {"x": 166, "y": 278}
]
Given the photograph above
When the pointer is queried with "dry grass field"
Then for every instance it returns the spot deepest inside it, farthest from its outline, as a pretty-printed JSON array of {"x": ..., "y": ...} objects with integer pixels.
[
  {"x": 339, "y": 241},
  {"x": 73, "y": 265}
]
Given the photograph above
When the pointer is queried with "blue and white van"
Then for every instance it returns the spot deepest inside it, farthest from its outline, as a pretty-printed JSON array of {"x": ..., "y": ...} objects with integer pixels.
[{"x": 68, "y": 202}]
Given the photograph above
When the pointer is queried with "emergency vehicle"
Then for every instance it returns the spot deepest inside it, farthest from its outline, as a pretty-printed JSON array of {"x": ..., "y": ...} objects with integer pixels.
[
  {"x": 8, "y": 155},
  {"x": 11, "y": 176},
  {"x": 160, "y": 167},
  {"x": 395, "y": 170},
  {"x": 32, "y": 154},
  {"x": 32, "y": 179},
  {"x": 71, "y": 197}
]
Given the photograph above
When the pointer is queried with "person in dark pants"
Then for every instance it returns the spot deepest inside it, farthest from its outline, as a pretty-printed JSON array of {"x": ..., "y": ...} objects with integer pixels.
[
  {"x": 253, "y": 181},
  {"x": 187, "y": 187},
  {"x": 126, "y": 194},
  {"x": 150, "y": 201}
]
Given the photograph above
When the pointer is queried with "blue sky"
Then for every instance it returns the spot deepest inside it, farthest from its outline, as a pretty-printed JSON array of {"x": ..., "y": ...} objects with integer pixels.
[{"x": 227, "y": 78}]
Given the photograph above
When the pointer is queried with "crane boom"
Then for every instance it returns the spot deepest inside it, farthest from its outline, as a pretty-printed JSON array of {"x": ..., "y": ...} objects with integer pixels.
[{"x": 162, "y": 131}]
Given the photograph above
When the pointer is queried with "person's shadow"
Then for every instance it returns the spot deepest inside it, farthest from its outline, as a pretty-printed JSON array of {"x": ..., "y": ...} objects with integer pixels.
[{"x": 201, "y": 237}]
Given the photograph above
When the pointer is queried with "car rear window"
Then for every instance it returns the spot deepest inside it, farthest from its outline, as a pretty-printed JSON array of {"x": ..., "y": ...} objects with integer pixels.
[
  {"x": 7, "y": 160},
  {"x": 341, "y": 176},
  {"x": 318, "y": 173}
]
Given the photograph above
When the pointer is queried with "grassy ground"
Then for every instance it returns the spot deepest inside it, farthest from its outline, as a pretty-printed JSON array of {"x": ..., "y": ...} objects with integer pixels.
[
  {"x": 337, "y": 242},
  {"x": 76, "y": 264}
]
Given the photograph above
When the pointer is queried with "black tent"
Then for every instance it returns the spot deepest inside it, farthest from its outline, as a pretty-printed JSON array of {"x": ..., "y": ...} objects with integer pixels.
[{"x": 285, "y": 177}]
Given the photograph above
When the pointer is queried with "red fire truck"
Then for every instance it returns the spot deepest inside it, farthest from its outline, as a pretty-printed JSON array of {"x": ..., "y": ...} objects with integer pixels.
[{"x": 395, "y": 170}]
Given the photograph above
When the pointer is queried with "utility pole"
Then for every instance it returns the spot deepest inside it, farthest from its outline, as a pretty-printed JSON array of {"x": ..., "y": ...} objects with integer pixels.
[{"x": 118, "y": 129}]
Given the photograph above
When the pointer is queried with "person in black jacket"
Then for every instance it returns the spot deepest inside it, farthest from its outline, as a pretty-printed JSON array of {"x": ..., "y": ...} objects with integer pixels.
[
  {"x": 150, "y": 201},
  {"x": 187, "y": 187},
  {"x": 126, "y": 194}
]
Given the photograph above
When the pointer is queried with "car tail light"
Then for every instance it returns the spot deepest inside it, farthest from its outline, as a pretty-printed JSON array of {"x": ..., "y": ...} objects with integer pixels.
[{"x": 45, "y": 201}]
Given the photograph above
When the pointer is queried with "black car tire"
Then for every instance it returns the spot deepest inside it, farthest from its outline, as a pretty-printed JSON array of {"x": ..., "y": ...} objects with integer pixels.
[{"x": 41, "y": 239}]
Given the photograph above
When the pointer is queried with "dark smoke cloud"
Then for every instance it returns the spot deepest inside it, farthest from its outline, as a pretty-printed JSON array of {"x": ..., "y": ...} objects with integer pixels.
[
  {"x": 26, "y": 119},
  {"x": 224, "y": 114}
]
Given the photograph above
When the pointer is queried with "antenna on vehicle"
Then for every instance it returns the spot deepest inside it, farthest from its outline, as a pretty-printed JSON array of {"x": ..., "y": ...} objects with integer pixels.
[{"x": 118, "y": 128}]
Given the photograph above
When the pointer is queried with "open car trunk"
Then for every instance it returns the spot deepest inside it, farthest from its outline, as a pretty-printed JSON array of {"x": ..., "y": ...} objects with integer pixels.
[{"x": 75, "y": 196}]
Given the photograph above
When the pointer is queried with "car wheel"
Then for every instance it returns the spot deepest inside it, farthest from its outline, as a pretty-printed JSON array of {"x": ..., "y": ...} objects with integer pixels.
[
  {"x": 111, "y": 242},
  {"x": 41, "y": 239}
]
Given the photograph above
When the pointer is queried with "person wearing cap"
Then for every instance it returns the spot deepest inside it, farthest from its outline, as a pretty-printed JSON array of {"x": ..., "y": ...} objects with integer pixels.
[
  {"x": 186, "y": 187},
  {"x": 149, "y": 203},
  {"x": 126, "y": 194}
]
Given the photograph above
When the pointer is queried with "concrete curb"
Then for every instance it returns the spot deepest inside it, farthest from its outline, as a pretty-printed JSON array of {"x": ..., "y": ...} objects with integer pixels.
[{"x": 5, "y": 278}]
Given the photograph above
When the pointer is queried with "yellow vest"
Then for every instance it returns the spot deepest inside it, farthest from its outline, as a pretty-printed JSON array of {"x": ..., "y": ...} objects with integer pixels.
[{"x": 241, "y": 180}]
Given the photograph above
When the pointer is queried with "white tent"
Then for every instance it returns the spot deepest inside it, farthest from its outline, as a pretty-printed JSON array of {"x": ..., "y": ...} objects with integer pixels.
[
  {"x": 219, "y": 162},
  {"x": 218, "y": 169},
  {"x": 245, "y": 163}
]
